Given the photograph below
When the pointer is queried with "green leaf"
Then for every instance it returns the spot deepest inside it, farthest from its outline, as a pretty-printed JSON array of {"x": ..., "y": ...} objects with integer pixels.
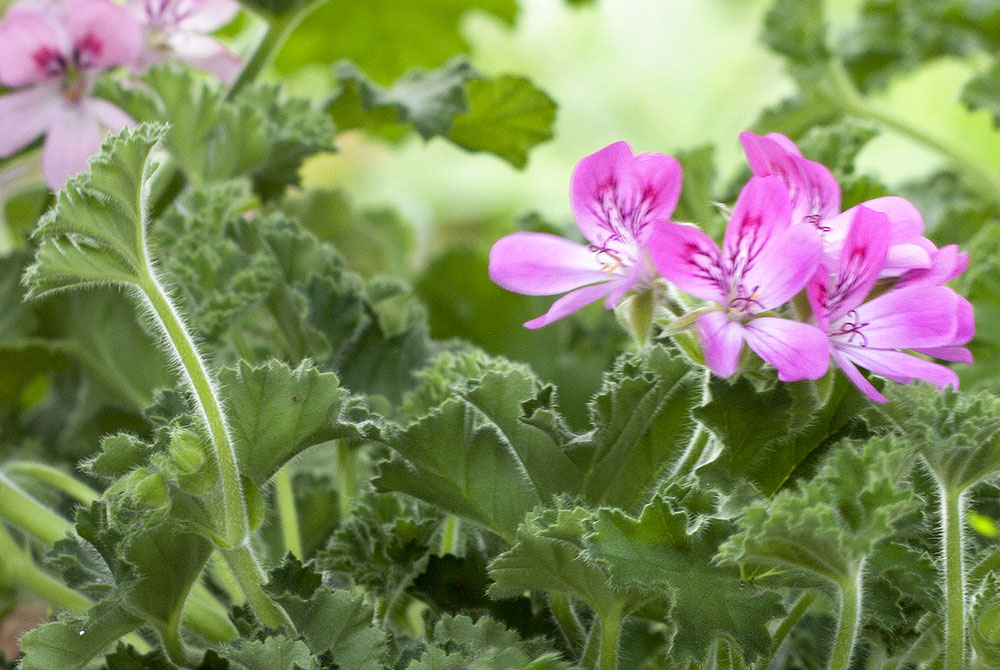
[
  {"x": 797, "y": 30},
  {"x": 273, "y": 653},
  {"x": 837, "y": 145},
  {"x": 981, "y": 285},
  {"x": 71, "y": 642},
  {"x": 506, "y": 116},
  {"x": 548, "y": 555},
  {"x": 957, "y": 434},
  {"x": 337, "y": 622},
  {"x": 427, "y": 99},
  {"x": 276, "y": 412},
  {"x": 668, "y": 554},
  {"x": 387, "y": 39},
  {"x": 698, "y": 193},
  {"x": 829, "y": 525},
  {"x": 984, "y": 627},
  {"x": 94, "y": 234},
  {"x": 983, "y": 92}
]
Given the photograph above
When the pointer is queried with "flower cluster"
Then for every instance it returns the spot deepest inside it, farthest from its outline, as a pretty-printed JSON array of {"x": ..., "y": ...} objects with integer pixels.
[
  {"x": 870, "y": 284},
  {"x": 52, "y": 52}
]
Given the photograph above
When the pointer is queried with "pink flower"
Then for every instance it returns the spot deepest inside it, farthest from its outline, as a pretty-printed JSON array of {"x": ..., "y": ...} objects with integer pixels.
[
  {"x": 52, "y": 52},
  {"x": 181, "y": 27},
  {"x": 930, "y": 319},
  {"x": 615, "y": 197},
  {"x": 763, "y": 263},
  {"x": 815, "y": 199}
]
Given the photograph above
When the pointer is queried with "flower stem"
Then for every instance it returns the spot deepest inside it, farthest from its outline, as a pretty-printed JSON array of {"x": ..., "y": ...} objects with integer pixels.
[
  {"x": 850, "y": 620},
  {"x": 236, "y": 530},
  {"x": 347, "y": 479},
  {"x": 287, "y": 514},
  {"x": 562, "y": 609},
  {"x": 18, "y": 569},
  {"x": 28, "y": 514},
  {"x": 788, "y": 623},
  {"x": 611, "y": 629},
  {"x": 449, "y": 535},
  {"x": 842, "y": 93},
  {"x": 250, "y": 577},
  {"x": 954, "y": 579},
  {"x": 63, "y": 481}
]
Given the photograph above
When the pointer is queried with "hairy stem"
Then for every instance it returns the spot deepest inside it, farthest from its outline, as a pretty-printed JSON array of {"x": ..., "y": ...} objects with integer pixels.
[
  {"x": 18, "y": 569},
  {"x": 30, "y": 515},
  {"x": 954, "y": 579},
  {"x": 449, "y": 535},
  {"x": 63, "y": 481},
  {"x": 347, "y": 479},
  {"x": 287, "y": 514},
  {"x": 562, "y": 610},
  {"x": 788, "y": 623},
  {"x": 842, "y": 92},
  {"x": 611, "y": 630},
  {"x": 236, "y": 530},
  {"x": 850, "y": 620},
  {"x": 251, "y": 579}
]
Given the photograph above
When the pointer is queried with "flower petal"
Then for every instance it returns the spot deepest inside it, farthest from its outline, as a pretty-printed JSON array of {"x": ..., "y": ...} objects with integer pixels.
[
  {"x": 207, "y": 16},
  {"x": 901, "y": 367},
  {"x": 27, "y": 35},
  {"x": 73, "y": 137},
  {"x": 107, "y": 34},
  {"x": 24, "y": 115},
  {"x": 613, "y": 192},
  {"x": 689, "y": 258},
  {"x": 916, "y": 316},
  {"x": 571, "y": 302},
  {"x": 946, "y": 264},
  {"x": 951, "y": 354},
  {"x": 543, "y": 264},
  {"x": 721, "y": 343},
  {"x": 861, "y": 261},
  {"x": 798, "y": 350},
  {"x": 855, "y": 377},
  {"x": 761, "y": 211},
  {"x": 783, "y": 266},
  {"x": 206, "y": 53},
  {"x": 110, "y": 116}
]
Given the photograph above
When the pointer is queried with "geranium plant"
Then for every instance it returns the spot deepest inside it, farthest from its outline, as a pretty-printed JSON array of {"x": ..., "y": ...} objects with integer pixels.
[{"x": 243, "y": 428}]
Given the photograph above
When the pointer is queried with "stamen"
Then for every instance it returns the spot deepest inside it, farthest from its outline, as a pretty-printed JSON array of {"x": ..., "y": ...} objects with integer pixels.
[{"x": 852, "y": 328}]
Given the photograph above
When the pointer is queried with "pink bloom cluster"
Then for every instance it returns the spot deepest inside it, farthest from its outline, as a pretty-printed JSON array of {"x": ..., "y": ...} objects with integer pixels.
[
  {"x": 51, "y": 52},
  {"x": 873, "y": 283}
]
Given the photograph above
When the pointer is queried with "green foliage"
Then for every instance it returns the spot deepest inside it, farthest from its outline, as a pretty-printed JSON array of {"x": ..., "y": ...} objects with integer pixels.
[
  {"x": 71, "y": 642},
  {"x": 797, "y": 30},
  {"x": 983, "y": 92},
  {"x": 981, "y": 285},
  {"x": 386, "y": 40},
  {"x": 829, "y": 525},
  {"x": 667, "y": 553}
]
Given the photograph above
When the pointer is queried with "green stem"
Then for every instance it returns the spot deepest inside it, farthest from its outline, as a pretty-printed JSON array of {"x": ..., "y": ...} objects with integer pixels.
[
  {"x": 611, "y": 629},
  {"x": 287, "y": 514},
  {"x": 18, "y": 569},
  {"x": 696, "y": 447},
  {"x": 449, "y": 535},
  {"x": 225, "y": 578},
  {"x": 250, "y": 577},
  {"x": 207, "y": 616},
  {"x": 347, "y": 479},
  {"x": 562, "y": 609},
  {"x": 954, "y": 579},
  {"x": 591, "y": 655},
  {"x": 30, "y": 515},
  {"x": 237, "y": 526},
  {"x": 850, "y": 620},
  {"x": 788, "y": 623},
  {"x": 843, "y": 94},
  {"x": 63, "y": 481}
]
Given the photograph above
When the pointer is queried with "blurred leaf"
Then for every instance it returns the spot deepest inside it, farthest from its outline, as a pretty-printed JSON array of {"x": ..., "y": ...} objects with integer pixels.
[
  {"x": 796, "y": 29},
  {"x": 983, "y": 92},
  {"x": 384, "y": 39},
  {"x": 506, "y": 116},
  {"x": 837, "y": 145},
  {"x": 695, "y": 205}
]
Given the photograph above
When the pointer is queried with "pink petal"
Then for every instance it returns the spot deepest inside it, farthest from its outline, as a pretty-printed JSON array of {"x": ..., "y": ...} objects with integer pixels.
[
  {"x": 73, "y": 137},
  {"x": 854, "y": 375},
  {"x": 543, "y": 264},
  {"x": 111, "y": 117},
  {"x": 906, "y": 226},
  {"x": 614, "y": 193},
  {"x": 861, "y": 261},
  {"x": 900, "y": 367},
  {"x": 207, "y": 53},
  {"x": 29, "y": 40},
  {"x": 689, "y": 258},
  {"x": 24, "y": 115},
  {"x": 905, "y": 318},
  {"x": 946, "y": 264},
  {"x": 761, "y": 211},
  {"x": 106, "y": 34},
  {"x": 813, "y": 191},
  {"x": 798, "y": 350},
  {"x": 569, "y": 303},
  {"x": 207, "y": 16},
  {"x": 721, "y": 343},
  {"x": 818, "y": 291},
  {"x": 783, "y": 266},
  {"x": 951, "y": 354}
]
